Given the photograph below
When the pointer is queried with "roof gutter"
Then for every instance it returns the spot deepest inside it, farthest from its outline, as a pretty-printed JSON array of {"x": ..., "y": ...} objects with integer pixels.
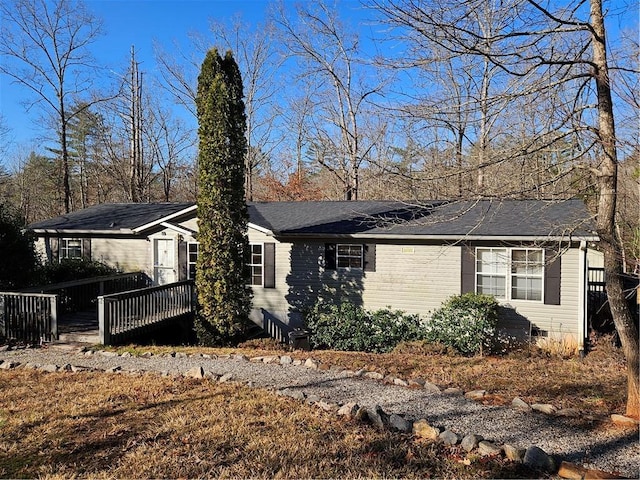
[
  {"x": 58, "y": 231},
  {"x": 384, "y": 236}
]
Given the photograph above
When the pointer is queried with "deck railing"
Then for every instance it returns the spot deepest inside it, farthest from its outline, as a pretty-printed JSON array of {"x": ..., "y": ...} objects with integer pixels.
[
  {"x": 123, "y": 315},
  {"x": 80, "y": 295},
  {"x": 29, "y": 317}
]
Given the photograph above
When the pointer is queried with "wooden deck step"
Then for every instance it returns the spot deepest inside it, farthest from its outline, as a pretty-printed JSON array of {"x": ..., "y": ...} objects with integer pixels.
[{"x": 91, "y": 337}]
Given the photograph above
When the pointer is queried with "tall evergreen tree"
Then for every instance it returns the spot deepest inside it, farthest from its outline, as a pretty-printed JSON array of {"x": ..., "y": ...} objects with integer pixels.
[{"x": 221, "y": 277}]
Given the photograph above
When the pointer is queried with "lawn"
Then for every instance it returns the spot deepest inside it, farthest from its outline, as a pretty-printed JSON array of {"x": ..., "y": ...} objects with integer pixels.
[
  {"x": 116, "y": 426},
  {"x": 148, "y": 426}
]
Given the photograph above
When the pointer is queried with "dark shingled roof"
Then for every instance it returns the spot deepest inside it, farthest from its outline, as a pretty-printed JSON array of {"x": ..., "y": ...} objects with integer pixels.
[
  {"x": 111, "y": 216},
  {"x": 490, "y": 218},
  {"x": 494, "y": 218}
]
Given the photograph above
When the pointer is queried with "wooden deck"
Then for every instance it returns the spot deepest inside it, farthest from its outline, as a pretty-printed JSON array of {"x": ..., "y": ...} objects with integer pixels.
[{"x": 82, "y": 311}]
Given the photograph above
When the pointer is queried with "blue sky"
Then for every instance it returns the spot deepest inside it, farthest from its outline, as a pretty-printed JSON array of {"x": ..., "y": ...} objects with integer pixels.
[
  {"x": 143, "y": 22},
  {"x": 127, "y": 23}
]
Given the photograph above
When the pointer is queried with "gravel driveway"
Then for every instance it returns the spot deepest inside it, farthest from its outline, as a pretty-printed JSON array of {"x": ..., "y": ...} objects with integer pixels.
[{"x": 609, "y": 449}]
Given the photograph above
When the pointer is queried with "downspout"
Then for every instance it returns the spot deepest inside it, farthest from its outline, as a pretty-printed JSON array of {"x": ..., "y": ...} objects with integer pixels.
[{"x": 582, "y": 296}]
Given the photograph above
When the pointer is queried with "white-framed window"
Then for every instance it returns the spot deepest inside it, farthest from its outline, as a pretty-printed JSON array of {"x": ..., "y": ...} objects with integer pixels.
[
  {"x": 527, "y": 268},
  {"x": 192, "y": 259},
  {"x": 256, "y": 264},
  {"x": 70, "y": 248},
  {"x": 510, "y": 273},
  {"x": 349, "y": 256}
]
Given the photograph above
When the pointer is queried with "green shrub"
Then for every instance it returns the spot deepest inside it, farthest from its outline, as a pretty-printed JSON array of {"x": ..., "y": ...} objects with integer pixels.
[
  {"x": 73, "y": 269},
  {"x": 465, "y": 322},
  {"x": 352, "y": 328}
]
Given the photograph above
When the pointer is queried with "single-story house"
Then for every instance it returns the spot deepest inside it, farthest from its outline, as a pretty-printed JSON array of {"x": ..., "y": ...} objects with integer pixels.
[{"x": 529, "y": 254}]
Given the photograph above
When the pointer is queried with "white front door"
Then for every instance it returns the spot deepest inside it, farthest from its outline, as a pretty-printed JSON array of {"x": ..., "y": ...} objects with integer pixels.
[{"x": 164, "y": 258}]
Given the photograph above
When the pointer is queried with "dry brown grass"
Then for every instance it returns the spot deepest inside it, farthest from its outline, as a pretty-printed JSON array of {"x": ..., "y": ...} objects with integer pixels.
[{"x": 96, "y": 425}]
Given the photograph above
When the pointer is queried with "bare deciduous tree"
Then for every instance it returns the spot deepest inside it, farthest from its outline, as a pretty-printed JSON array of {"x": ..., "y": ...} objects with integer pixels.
[
  {"x": 549, "y": 47},
  {"x": 45, "y": 45},
  {"x": 341, "y": 86}
]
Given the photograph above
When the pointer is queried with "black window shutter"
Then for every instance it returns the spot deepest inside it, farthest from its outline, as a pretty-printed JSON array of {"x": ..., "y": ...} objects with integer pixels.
[
  {"x": 86, "y": 248},
  {"x": 269, "y": 265},
  {"x": 552, "y": 274},
  {"x": 54, "y": 249},
  {"x": 182, "y": 260},
  {"x": 468, "y": 270},
  {"x": 330, "y": 256},
  {"x": 369, "y": 254}
]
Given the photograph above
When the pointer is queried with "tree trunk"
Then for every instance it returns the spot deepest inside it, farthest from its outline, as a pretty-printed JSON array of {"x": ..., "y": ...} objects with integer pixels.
[{"x": 620, "y": 311}]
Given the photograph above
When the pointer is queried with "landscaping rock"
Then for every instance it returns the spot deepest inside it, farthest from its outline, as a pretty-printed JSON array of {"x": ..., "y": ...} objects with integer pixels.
[
  {"x": 401, "y": 424},
  {"x": 475, "y": 394},
  {"x": 115, "y": 369},
  {"x": 271, "y": 359},
  {"x": 546, "y": 408},
  {"x": 242, "y": 358},
  {"x": 296, "y": 363},
  {"x": 50, "y": 368},
  {"x": 452, "y": 391},
  {"x": 328, "y": 406},
  {"x": 422, "y": 429},
  {"x": 400, "y": 382},
  {"x": 486, "y": 448},
  {"x": 349, "y": 410},
  {"x": 470, "y": 442},
  {"x": 256, "y": 359},
  {"x": 126, "y": 354},
  {"x": 520, "y": 404},
  {"x": 514, "y": 454},
  {"x": 311, "y": 363},
  {"x": 195, "y": 372},
  {"x": 227, "y": 377},
  {"x": 286, "y": 360},
  {"x": 374, "y": 416},
  {"x": 8, "y": 365},
  {"x": 106, "y": 353},
  {"x": 624, "y": 421},
  {"x": 147, "y": 355},
  {"x": 312, "y": 399},
  {"x": 433, "y": 388},
  {"x": 373, "y": 375},
  {"x": 536, "y": 458},
  {"x": 449, "y": 438},
  {"x": 573, "y": 471}
]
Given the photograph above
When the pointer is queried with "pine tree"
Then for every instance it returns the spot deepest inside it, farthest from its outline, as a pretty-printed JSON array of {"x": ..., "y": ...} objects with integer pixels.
[{"x": 221, "y": 277}]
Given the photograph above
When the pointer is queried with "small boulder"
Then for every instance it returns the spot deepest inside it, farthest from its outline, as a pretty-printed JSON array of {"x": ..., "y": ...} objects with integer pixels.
[
  {"x": 311, "y": 363},
  {"x": 452, "y": 391},
  {"x": 401, "y": 424},
  {"x": 373, "y": 375},
  {"x": 475, "y": 394},
  {"x": 6, "y": 365},
  {"x": 624, "y": 421},
  {"x": 514, "y": 454},
  {"x": 449, "y": 438},
  {"x": 49, "y": 368},
  {"x": 400, "y": 382},
  {"x": 422, "y": 429},
  {"x": 520, "y": 404},
  {"x": 126, "y": 354},
  {"x": 486, "y": 448},
  {"x": 227, "y": 377},
  {"x": 195, "y": 372},
  {"x": 536, "y": 458},
  {"x": 271, "y": 359},
  {"x": 545, "y": 408},
  {"x": 286, "y": 360},
  {"x": 348, "y": 410},
  {"x": 433, "y": 388},
  {"x": 470, "y": 442}
]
